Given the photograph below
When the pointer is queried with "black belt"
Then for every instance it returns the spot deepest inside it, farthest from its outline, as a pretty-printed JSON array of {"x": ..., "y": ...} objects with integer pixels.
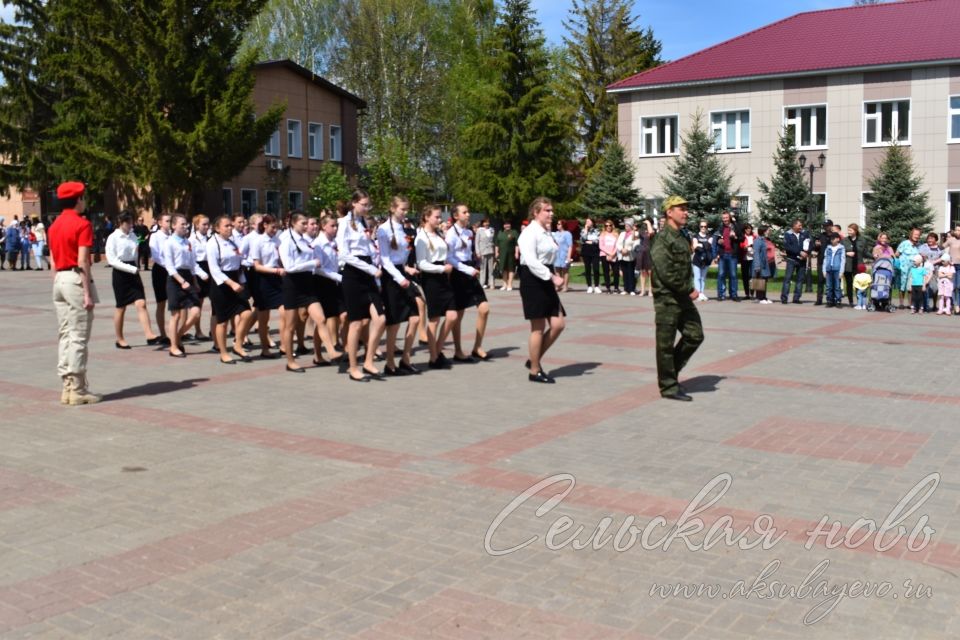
[
  {"x": 366, "y": 259},
  {"x": 74, "y": 269},
  {"x": 441, "y": 263}
]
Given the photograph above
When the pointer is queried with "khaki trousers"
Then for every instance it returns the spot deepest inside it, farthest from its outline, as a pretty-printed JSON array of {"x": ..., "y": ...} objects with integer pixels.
[{"x": 74, "y": 322}]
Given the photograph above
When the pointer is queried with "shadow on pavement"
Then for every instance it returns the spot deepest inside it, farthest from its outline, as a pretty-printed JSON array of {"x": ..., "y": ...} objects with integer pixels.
[
  {"x": 574, "y": 370},
  {"x": 501, "y": 352},
  {"x": 702, "y": 384},
  {"x": 153, "y": 389}
]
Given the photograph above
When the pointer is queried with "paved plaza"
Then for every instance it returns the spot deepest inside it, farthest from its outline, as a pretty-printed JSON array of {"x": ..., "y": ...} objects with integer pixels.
[{"x": 202, "y": 501}]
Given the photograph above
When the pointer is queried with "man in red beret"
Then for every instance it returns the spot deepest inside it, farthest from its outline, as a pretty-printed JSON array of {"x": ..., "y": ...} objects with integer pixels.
[{"x": 70, "y": 238}]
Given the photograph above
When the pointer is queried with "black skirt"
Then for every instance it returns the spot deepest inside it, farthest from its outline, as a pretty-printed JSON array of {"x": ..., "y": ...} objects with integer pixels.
[
  {"x": 252, "y": 289},
  {"x": 226, "y": 302},
  {"x": 399, "y": 303},
  {"x": 298, "y": 290},
  {"x": 330, "y": 294},
  {"x": 540, "y": 298},
  {"x": 180, "y": 298},
  {"x": 438, "y": 293},
  {"x": 467, "y": 291},
  {"x": 269, "y": 291},
  {"x": 159, "y": 277},
  {"x": 127, "y": 287},
  {"x": 204, "y": 284},
  {"x": 359, "y": 292}
]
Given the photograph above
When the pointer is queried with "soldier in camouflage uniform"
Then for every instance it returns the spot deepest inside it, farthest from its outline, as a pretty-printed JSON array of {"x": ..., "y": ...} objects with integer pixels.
[{"x": 673, "y": 299}]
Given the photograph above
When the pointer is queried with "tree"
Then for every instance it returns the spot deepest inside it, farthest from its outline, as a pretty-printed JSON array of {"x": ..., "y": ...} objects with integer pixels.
[
  {"x": 897, "y": 203},
  {"x": 517, "y": 143},
  {"x": 609, "y": 191},
  {"x": 787, "y": 197},
  {"x": 298, "y": 30},
  {"x": 328, "y": 187},
  {"x": 604, "y": 46},
  {"x": 699, "y": 175}
]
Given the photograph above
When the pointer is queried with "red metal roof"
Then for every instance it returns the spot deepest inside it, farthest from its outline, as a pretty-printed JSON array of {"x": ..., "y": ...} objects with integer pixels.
[{"x": 910, "y": 31}]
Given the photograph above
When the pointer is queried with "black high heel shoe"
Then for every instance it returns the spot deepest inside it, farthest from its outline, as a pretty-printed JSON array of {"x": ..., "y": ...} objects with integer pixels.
[{"x": 122, "y": 346}]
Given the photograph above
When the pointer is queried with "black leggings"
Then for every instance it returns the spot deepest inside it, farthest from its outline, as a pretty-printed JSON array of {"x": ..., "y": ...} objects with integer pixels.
[
  {"x": 606, "y": 273},
  {"x": 848, "y": 281},
  {"x": 746, "y": 268},
  {"x": 591, "y": 268}
]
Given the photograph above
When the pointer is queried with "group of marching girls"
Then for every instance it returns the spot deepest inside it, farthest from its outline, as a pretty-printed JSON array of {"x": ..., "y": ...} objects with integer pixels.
[{"x": 355, "y": 282}]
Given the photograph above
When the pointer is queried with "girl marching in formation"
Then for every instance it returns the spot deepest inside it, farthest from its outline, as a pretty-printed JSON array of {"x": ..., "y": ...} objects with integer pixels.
[
  {"x": 353, "y": 281},
  {"x": 199, "y": 239}
]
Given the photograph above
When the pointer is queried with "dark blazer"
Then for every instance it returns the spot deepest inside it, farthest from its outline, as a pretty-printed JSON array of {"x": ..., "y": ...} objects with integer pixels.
[{"x": 793, "y": 245}]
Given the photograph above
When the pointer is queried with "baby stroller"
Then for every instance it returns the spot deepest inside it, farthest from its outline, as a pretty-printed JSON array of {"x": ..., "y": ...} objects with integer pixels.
[{"x": 881, "y": 288}]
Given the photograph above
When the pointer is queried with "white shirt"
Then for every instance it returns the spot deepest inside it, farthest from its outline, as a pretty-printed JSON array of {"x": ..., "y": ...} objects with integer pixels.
[
  {"x": 122, "y": 247},
  {"x": 157, "y": 239},
  {"x": 353, "y": 243},
  {"x": 430, "y": 248},
  {"x": 537, "y": 250},
  {"x": 247, "y": 246},
  {"x": 296, "y": 255},
  {"x": 178, "y": 255},
  {"x": 325, "y": 250},
  {"x": 200, "y": 245},
  {"x": 460, "y": 249},
  {"x": 393, "y": 260},
  {"x": 267, "y": 251},
  {"x": 223, "y": 255}
]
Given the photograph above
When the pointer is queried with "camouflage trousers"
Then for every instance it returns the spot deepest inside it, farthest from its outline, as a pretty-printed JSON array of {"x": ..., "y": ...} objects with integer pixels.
[{"x": 673, "y": 355}]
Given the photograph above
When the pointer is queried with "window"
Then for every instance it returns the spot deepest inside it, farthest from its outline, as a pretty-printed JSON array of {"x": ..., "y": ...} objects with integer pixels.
[
  {"x": 273, "y": 203},
  {"x": 821, "y": 201},
  {"x": 866, "y": 198},
  {"x": 659, "y": 136},
  {"x": 885, "y": 122},
  {"x": 954, "y": 111},
  {"x": 731, "y": 130},
  {"x": 294, "y": 139},
  {"x": 651, "y": 208},
  {"x": 335, "y": 149},
  {"x": 227, "y": 195},
  {"x": 248, "y": 202},
  {"x": 295, "y": 200},
  {"x": 744, "y": 208},
  {"x": 315, "y": 141},
  {"x": 272, "y": 148},
  {"x": 809, "y": 126},
  {"x": 953, "y": 215}
]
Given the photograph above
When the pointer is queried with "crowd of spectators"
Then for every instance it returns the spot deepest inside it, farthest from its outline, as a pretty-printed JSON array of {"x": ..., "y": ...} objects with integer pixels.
[{"x": 23, "y": 244}]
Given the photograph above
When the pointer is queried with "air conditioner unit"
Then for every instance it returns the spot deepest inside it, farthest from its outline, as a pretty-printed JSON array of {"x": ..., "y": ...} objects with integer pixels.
[{"x": 275, "y": 164}]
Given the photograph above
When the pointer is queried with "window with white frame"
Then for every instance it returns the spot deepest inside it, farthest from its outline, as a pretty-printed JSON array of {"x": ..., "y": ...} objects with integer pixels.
[
  {"x": 954, "y": 110},
  {"x": 227, "y": 196},
  {"x": 651, "y": 207},
  {"x": 809, "y": 124},
  {"x": 821, "y": 201},
  {"x": 294, "y": 139},
  {"x": 866, "y": 197},
  {"x": 272, "y": 148},
  {"x": 336, "y": 153},
  {"x": 273, "y": 203},
  {"x": 248, "y": 201},
  {"x": 659, "y": 136},
  {"x": 731, "y": 130},
  {"x": 743, "y": 206},
  {"x": 294, "y": 200},
  {"x": 953, "y": 215},
  {"x": 315, "y": 141},
  {"x": 886, "y": 122}
]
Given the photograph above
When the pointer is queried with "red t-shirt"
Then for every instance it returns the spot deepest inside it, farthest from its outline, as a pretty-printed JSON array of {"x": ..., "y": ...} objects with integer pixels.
[{"x": 66, "y": 235}]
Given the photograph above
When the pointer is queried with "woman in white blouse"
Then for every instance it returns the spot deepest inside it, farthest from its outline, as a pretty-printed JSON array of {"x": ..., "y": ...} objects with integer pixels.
[
  {"x": 268, "y": 287},
  {"x": 398, "y": 291},
  {"x": 122, "y": 248},
  {"x": 228, "y": 296},
  {"x": 538, "y": 286},
  {"x": 431, "y": 251}
]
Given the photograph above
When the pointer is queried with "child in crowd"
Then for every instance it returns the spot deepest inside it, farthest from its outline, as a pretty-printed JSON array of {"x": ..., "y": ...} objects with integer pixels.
[
  {"x": 918, "y": 277},
  {"x": 861, "y": 284},
  {"x": 945, "y": 285},
  {"x": 833, "y": 263}
]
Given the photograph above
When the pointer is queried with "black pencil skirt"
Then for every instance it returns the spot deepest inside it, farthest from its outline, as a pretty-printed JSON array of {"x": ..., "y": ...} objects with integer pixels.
[
  {"x": 127, "y": 287},
  {"x": 180, "y": 298},
  {"x": 540, "y": 298},
  {"x": 467, "y": 290},
  {"x": 438, "y": 293},
  {"x": 226, "y": 302},
  {"x": 359, "y": 292}
]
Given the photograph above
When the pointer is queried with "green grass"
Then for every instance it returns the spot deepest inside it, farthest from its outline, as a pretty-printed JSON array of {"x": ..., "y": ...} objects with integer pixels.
[{"x": 774, "y": 285}]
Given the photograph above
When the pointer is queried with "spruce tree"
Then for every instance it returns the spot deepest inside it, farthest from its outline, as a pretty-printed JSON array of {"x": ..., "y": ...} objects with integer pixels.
[
  {"x": 787, "y": 197},
  {"x": 516, "y": 145},
  {"x": 609, "y": 191},
  {"x": 604, "y": 46},
  {"x": 898, "y": 203},
  {"x": 699, "y": 175}
]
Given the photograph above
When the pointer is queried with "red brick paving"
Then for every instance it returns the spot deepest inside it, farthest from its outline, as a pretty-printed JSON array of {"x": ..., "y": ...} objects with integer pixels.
[
  {"x": 616, "y": 340},
  {"x": 831, "y": 440},
  {"x": 21, "y": 489},
  {"x": 753, "y": 356}
]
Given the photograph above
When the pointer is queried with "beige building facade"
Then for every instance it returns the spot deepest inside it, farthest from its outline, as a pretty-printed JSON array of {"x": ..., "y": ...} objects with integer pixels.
[{"x": 848, "y": 118}]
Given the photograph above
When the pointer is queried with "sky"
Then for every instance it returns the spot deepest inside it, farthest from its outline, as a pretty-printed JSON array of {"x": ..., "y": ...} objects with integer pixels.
[{"x": 687, "y": 26}]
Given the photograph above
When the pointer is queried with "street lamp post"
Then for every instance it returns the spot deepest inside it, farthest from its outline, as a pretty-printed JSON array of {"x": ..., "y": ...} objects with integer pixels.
[{"x": 811, "y": 210}]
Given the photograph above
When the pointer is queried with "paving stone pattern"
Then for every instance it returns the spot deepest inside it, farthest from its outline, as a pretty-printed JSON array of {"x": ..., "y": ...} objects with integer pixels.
[{"x": 201, "y": 501}]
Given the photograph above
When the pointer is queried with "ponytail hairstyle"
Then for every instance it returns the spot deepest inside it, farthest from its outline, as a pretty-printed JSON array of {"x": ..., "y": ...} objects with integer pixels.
[
  {"x": 538, "y": 204},
  {"x": 197, "y": 219},
  {"x": 327, "y": 218},
  {"x": 357, "y": 196},
  {"x": 342, "y": 208},
  {"x": 218, "y": 220},
  {"x": 264, "y": 221},
  {"x": 424, "y": 215},
  {"x": 453, "y": 223},
  {"x": 394, "y": 203}
]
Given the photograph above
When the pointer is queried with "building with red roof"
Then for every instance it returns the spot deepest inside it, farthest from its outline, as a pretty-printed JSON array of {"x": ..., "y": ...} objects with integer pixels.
[{"x": 849, "y": 81}]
